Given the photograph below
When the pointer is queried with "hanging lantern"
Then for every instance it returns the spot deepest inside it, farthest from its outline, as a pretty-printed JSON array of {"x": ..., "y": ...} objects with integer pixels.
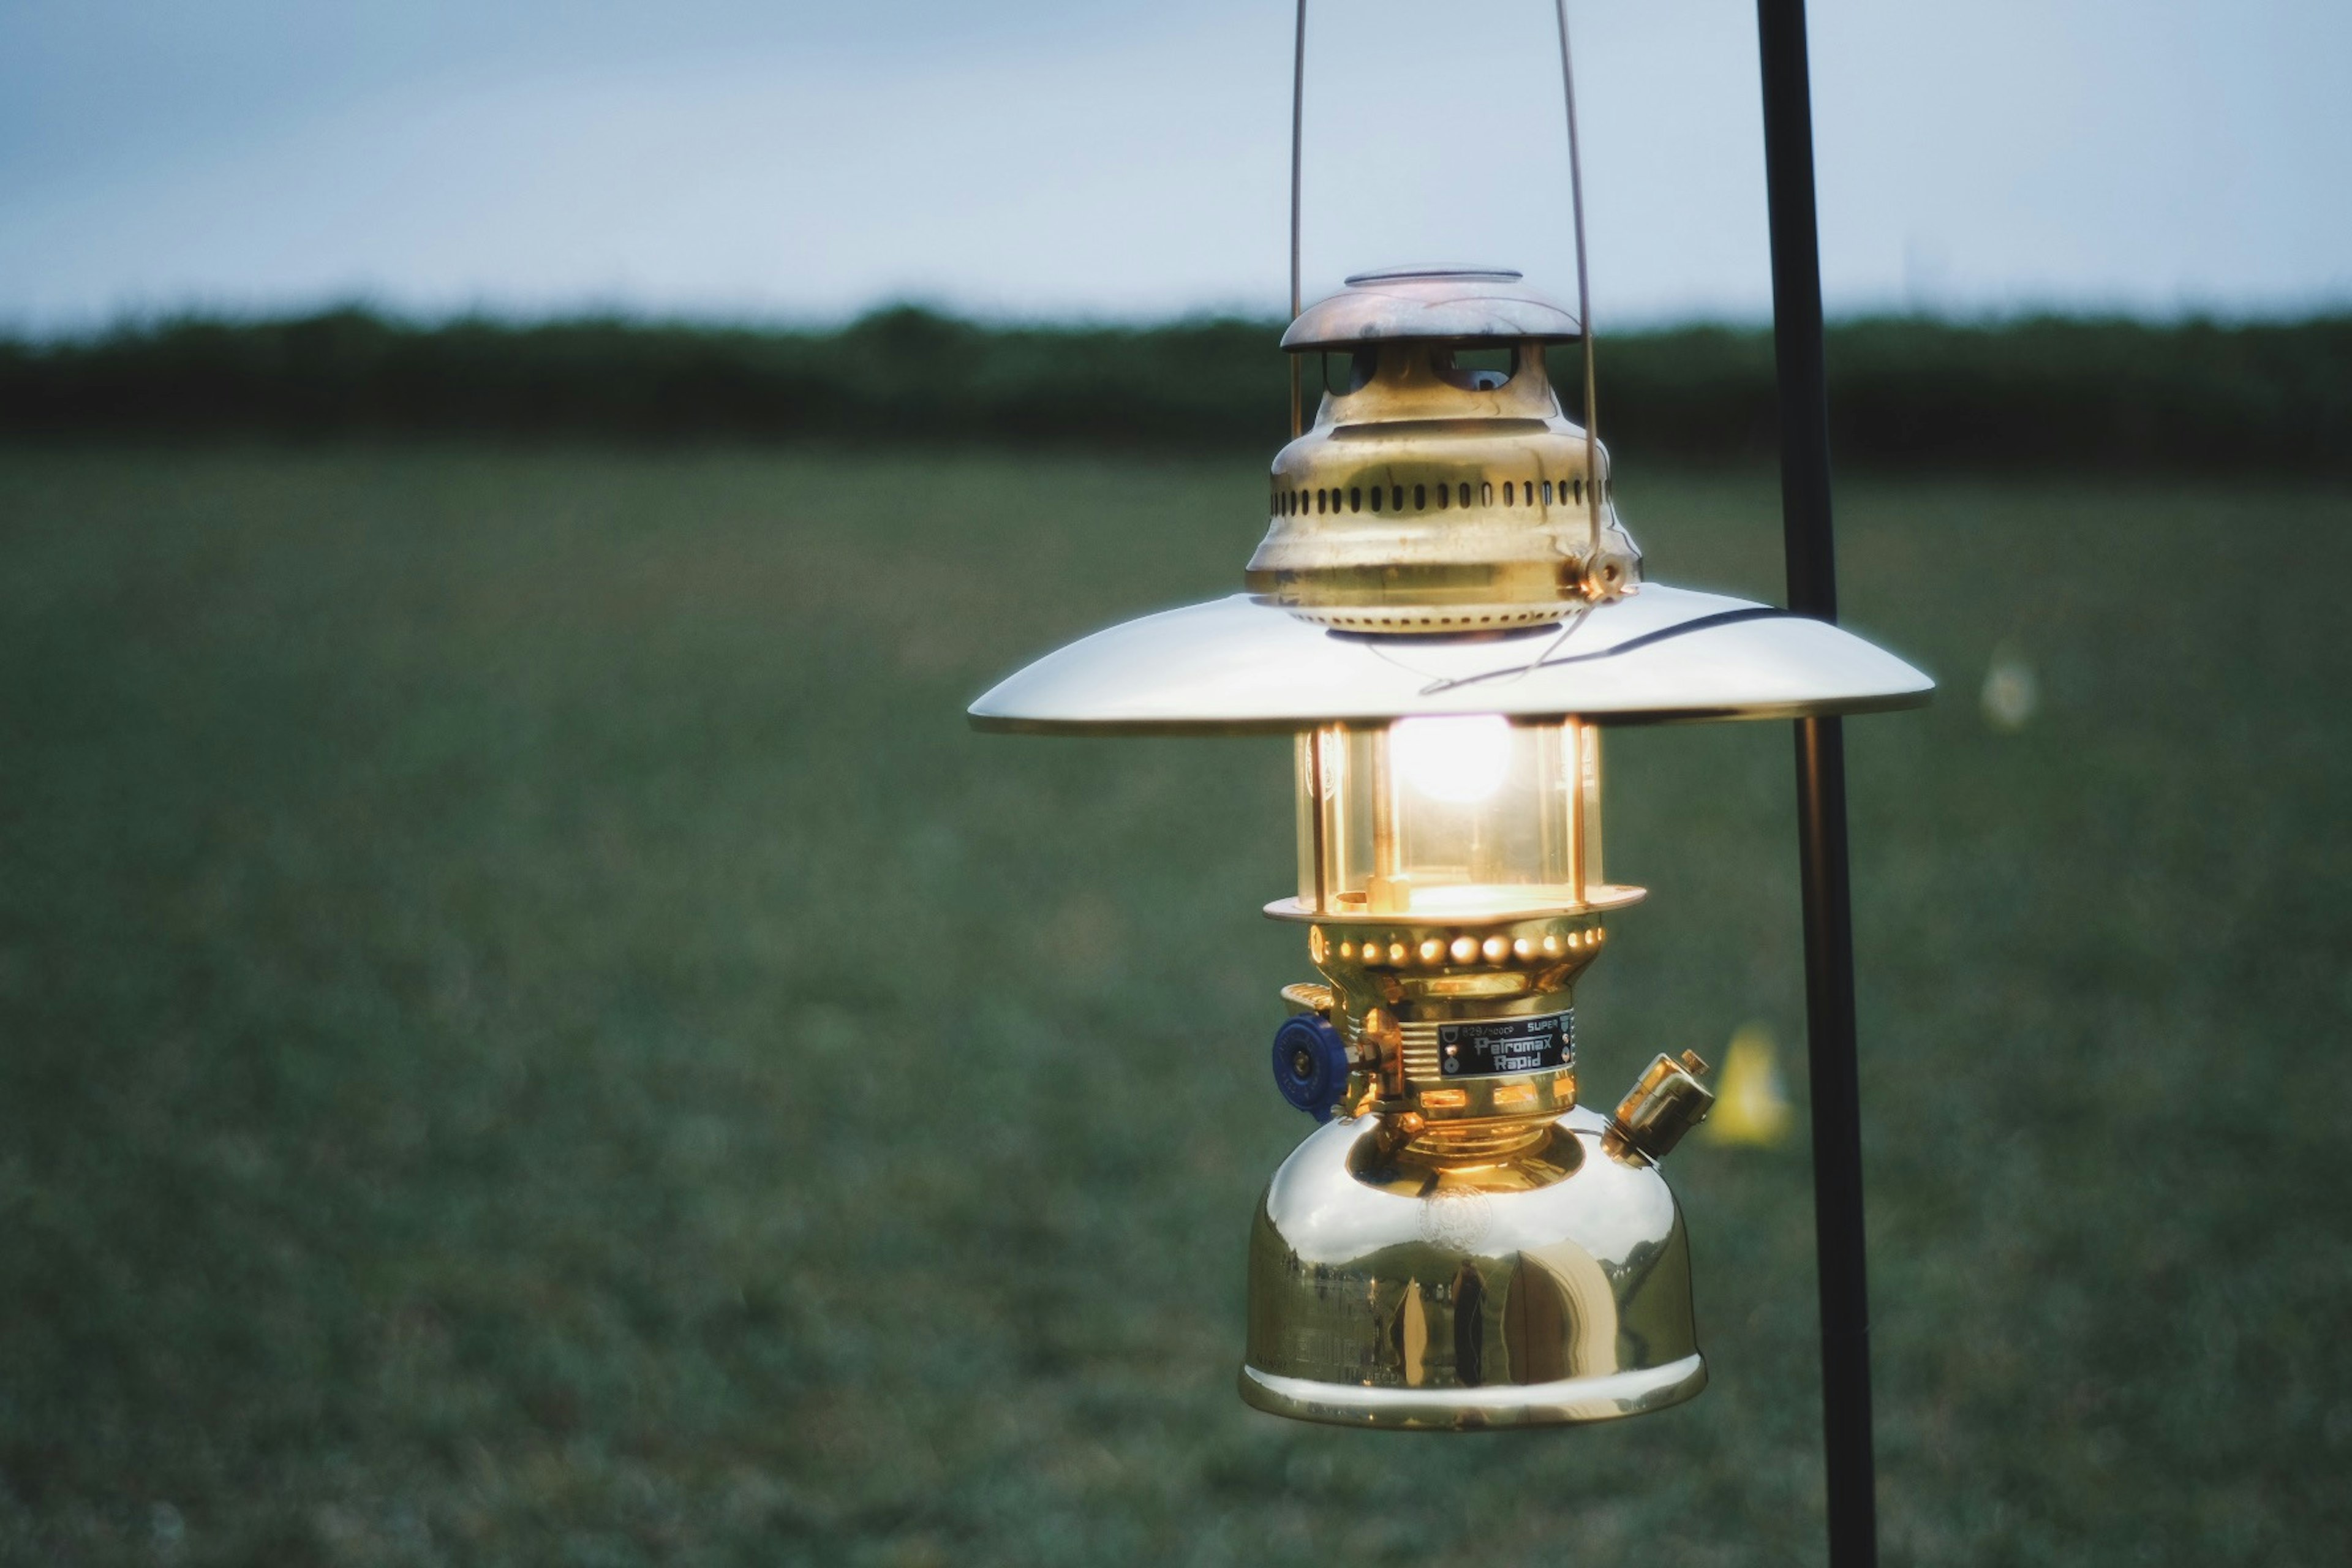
[{"x": 1446, "y": 612}]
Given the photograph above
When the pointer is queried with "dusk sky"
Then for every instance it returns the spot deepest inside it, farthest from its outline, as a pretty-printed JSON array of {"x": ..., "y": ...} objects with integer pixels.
[{"x": 795, "y": 161}]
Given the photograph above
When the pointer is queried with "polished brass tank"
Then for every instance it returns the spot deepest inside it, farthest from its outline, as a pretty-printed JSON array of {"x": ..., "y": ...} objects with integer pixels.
[
  {"x": 1546, "y": 1285},
  {"x": 1435, "y": 494}
]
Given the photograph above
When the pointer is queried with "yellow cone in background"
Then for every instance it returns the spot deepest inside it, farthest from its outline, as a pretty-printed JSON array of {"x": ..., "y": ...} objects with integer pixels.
[{"x": 1750, "y": 1106}]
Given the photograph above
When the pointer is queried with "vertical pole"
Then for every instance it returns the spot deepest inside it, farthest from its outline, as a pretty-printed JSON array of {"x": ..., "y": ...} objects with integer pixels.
[{"x": 1799, "y": 359}]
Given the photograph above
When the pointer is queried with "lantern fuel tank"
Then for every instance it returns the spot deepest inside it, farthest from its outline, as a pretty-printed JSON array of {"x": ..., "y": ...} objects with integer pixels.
[{"x": 1547, "y": 1284}]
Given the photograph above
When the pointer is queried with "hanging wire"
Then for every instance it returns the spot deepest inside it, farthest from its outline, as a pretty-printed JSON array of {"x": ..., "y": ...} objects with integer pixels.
[
  {"x": 1592, "y": 481},
  {"x": 1583, "y": 289},
  {"x": 1297, "y": 128}
]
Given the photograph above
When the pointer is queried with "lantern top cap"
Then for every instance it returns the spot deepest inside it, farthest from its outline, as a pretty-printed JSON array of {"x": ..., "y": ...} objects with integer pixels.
[
  {"x": 1453, "y": 302},
  {"x": 1421, "y": 273}
]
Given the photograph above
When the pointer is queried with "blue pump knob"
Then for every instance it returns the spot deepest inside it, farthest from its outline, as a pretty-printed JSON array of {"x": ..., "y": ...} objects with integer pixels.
[{"x": 1310, "y": 1064}]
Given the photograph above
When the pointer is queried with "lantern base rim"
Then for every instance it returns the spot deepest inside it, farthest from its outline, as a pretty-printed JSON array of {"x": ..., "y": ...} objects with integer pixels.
[{"x": 1574, "y": 1401}]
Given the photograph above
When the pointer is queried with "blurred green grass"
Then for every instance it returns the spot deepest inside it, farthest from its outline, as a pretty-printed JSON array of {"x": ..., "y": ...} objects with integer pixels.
[{"x": 531, "y": 1031}]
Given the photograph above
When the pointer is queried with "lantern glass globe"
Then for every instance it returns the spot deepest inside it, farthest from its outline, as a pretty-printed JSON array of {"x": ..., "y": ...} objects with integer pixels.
[{"x": 1453, "y": 816}]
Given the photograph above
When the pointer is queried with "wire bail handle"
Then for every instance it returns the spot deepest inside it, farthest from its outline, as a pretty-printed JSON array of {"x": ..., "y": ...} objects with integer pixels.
[{"x": 1576, "y": 206}]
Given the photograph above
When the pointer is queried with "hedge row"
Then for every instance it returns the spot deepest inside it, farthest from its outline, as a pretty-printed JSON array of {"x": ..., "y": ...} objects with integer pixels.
[{"x": 2090, "y": 394}]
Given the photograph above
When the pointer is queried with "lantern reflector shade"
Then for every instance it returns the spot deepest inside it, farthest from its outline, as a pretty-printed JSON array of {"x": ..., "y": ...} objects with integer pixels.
[{"x": 1661, "y": 655}]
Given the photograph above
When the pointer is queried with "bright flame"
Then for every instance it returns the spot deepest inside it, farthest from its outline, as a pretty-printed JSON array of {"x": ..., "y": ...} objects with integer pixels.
[{"x": 1460, "y": 760}]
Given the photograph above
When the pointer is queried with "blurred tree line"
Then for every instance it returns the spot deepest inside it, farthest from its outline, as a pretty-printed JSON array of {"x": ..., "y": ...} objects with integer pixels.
[{"x": 2044, "y": 392}]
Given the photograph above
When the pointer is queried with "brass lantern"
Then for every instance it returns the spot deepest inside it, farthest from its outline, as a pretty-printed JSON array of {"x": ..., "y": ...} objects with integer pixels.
[{"x": 1446, "y": 613}]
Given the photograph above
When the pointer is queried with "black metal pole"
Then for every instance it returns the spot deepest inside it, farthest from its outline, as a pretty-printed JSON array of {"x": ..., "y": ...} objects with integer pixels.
[{"x": 1821, "y": 792}]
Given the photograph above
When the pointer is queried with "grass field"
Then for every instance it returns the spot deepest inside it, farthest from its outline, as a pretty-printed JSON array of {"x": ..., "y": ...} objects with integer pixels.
[{"x": 530, "y": 1031}]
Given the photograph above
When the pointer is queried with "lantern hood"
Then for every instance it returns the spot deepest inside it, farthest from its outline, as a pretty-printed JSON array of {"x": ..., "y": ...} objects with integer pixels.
[
  {"x": 1443, "y": 539},
  {"x": 1441, "y": 488},
  {"x": 1238, "y": 665}
]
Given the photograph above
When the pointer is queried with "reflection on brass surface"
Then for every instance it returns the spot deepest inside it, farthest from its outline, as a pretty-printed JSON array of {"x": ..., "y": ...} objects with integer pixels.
[
  {"x": 1547, "y": 1284},
  {"x": 1306, "y": 997}
]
